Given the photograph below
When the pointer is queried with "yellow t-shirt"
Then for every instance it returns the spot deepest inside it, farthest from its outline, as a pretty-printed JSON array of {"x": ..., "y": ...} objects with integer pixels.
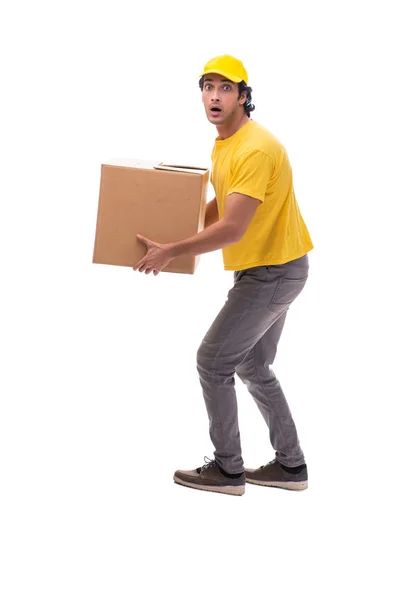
[{"x": 253, "y": 162}]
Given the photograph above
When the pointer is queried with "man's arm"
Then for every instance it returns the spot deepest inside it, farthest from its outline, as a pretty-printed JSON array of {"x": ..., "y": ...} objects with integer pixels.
[
  {"x": 239, "y": 211},
  {"x": 212, "y": 215},
  {"x": 216, "y": 236}
]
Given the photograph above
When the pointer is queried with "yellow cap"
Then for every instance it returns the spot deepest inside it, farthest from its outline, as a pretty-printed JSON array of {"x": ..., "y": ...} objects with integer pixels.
[{"x": 229, "y": 66}]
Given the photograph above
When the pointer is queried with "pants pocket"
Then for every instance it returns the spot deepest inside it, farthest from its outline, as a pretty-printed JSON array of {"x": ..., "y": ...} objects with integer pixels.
[{"x": 287, "y": 290}]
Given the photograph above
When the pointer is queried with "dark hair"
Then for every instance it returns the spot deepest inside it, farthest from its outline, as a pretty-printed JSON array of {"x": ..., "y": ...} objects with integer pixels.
[{"x": 242, "y": 88}]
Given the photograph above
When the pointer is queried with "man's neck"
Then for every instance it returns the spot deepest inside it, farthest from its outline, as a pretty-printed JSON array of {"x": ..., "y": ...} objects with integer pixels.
[{"x": 225, "y": 131}]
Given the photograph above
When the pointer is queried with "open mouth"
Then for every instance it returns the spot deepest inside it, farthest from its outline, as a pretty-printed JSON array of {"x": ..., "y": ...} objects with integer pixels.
[{"x": 215, "y": 110}]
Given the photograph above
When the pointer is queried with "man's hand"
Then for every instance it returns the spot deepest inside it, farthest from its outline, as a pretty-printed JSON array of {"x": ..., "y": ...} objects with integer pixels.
[{"x": 157, "y": 257}]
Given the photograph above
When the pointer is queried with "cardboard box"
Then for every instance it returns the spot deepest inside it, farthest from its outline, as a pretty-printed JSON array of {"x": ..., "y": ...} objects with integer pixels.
[{"x": 165, "y": 203}]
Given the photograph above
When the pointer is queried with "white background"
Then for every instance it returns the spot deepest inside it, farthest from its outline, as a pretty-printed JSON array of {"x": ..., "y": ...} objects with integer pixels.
[{"x": 100, "y": 398}]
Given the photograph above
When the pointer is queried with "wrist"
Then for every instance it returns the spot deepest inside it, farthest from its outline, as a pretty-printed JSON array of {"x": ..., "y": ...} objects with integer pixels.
[{"x": 171, "y": 249}]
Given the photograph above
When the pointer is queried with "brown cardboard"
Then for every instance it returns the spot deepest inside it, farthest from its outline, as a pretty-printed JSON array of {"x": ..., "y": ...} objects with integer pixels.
[{"x": 165, "y": 203}]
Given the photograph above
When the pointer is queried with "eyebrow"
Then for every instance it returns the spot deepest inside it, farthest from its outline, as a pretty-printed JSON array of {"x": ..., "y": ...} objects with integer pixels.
[{"x": 221, "y": 80}]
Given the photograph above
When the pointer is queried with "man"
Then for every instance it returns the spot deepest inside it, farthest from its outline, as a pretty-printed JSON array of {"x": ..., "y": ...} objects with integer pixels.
[{"x": 256, "y": 220}]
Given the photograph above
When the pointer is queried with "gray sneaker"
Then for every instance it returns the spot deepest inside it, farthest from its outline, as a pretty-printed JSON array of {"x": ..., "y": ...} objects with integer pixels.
[
  {"x": 209, "y": 478},
  {"x": 273, "y": 475}
]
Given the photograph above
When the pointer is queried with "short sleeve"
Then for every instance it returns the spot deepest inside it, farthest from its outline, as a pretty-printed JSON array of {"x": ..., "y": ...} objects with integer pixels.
[{"x": 251, "y": 174}]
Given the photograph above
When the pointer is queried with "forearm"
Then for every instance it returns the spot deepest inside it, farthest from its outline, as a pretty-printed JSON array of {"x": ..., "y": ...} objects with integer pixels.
[
  {"x": 213, "y": 238},
  {"x": 211, "y": 215}
]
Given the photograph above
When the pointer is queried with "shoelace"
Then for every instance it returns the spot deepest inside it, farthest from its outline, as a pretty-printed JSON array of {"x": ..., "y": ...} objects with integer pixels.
[{"x": 208, "y": 463}]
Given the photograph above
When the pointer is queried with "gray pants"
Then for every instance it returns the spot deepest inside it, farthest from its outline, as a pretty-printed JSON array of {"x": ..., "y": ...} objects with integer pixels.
[{"x": 243, "y": 339}]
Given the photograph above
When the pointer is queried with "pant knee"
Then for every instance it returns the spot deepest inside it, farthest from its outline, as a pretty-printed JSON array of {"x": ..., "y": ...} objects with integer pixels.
[{"x": 201, "y": 357}]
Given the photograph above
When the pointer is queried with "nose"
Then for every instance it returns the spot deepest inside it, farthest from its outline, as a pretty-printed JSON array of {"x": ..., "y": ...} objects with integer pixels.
[{"x": 215, "y": 96}]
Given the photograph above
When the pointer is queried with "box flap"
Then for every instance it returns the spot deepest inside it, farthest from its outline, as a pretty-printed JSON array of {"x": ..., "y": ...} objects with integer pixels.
[
  {"x": 154, "y": 164},
  {"x": 181, "y": 168},
  {"x": 132, "y": 162}
]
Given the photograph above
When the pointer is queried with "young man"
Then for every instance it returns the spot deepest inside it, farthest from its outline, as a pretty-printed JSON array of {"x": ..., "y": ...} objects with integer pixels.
[{"x": 256, "y": 220}]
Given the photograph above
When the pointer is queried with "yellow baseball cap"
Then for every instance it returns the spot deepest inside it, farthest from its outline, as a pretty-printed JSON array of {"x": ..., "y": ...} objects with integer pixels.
[{"x": 229, "y": 66}]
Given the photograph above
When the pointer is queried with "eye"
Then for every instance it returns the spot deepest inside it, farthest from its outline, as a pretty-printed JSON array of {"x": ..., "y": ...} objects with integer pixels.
[
  {"x": 207, "y": 86},
  {"x": 227, "y": 88}
]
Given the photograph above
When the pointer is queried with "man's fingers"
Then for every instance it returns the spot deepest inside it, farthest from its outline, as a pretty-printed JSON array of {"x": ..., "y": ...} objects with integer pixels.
[{"x": 146, "y": 270}]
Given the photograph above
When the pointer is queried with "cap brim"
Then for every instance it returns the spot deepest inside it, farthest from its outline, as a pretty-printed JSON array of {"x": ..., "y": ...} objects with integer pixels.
[{"x": 225, "y": 74}]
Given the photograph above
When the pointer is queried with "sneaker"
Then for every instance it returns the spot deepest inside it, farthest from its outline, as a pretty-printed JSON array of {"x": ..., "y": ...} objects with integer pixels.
[
  {"x": 210, "y": 478},
  {"x": 274, "y": 475}
]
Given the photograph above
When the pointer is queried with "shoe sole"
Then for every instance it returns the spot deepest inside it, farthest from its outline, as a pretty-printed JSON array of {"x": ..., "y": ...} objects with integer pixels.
[
  {"x": 232, "y": 490},
  {"x": 297, "y": 486}
]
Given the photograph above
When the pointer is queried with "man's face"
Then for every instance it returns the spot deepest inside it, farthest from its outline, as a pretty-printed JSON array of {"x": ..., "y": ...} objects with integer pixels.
[{"x": 220, "y": 99}]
